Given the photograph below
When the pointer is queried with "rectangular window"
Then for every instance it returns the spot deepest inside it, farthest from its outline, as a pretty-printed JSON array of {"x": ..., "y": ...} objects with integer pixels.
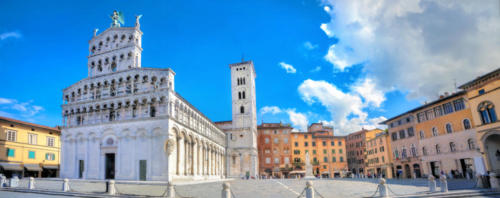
[
  {"x": 481, "y": 91},
  {"x": 268, "y": 160},
  {"x": 296, "y": 152},
  {"x": 438, "y": 111},
  {"x": 50, "y": 141},
  {"x": 296, "y": 144},
  {"x": 276, "y": 160},
  {"x": 332, "y": 143},
  {"x": 430, "y": 114},
  {"x": 334, "y": 159},
  {"x": 11, "y": 152},
  {"x": 50, "y": 156},
  {"x": 306, "y": 144},
  {"x": 313, "y": 143},
  {"x": 324, "y": 143},
  {"x": 287, "y": 160},
  {"x": 402, "y": 134},
  {"x": 448, "y": 108},
  {"x": 333, "y": 151},
  {"x": 341, "y": 159},
  {"x": 459, "y": 104},
  {"x": 11, "y": 136},
  {"x": 340, "y": 143},
  {"x": 325, "y": 159},
  {"x": 394, "y": 136},
  {"x": 411, "y": 133},
  {"x": 324, "y": 151},
  {"x": 32, "y": 138},
  {"x": 340, "y": 151},
  {"x": 31, "y": 154},
  {"x": 314, "y": 152}
]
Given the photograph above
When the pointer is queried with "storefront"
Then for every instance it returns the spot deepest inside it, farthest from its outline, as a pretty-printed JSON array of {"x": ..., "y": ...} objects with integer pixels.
[{"x": 11, "y": 169}]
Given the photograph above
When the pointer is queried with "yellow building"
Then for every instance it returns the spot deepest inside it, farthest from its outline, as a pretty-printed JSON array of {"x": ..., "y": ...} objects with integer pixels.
[
  {"x": 483, "y": 94},
  {"x": 326, "y": 151},
  {"x": 28, "y": 149},
  {"x": 379, "y": 155}
]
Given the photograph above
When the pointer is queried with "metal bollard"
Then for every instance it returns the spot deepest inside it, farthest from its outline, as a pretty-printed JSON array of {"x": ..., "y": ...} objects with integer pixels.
[
  {"x": 65, "y": 187},
  {"x": 171, "y": 190},
  {"x": 444, "y": 183},
  {"x": 479, "y": 183},
  {"x": 432, "y": 184},
  {"x": 495, "y": 185},
  {"x": 226, "y": 191},
  {"x": 111, "y": 187},
  {"x": 309, "y": 189},
  {"x": 31, "y": 183},
  {"x": 382, "y": 188}
]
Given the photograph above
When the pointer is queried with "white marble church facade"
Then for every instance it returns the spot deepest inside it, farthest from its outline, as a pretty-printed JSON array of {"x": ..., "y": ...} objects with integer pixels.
[{"x": 127, "y": 122}]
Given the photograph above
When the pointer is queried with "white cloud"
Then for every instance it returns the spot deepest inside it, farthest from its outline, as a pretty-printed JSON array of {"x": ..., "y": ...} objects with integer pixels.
[
  {"x": 418, "y": 47},
  {"x": 339, "y": 62},
  {"x": 368, "y": 90},
  {"x": 270, "y": 109},
  {"x": 7, "y": 35},
  {"x": 299, "y": 120},
  {"x": 316, "y": 69},
  {"x": 309, "y": 46},
  {"x": 346, "y": 108},
  {"x": 24, "y": 110},
  {"x": 325, "y": 29},
  {"x": 289, "y": 68}
]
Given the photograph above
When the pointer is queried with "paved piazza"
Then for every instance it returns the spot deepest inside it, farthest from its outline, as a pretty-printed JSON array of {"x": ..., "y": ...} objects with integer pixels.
[{"x": 252, "y": 188}]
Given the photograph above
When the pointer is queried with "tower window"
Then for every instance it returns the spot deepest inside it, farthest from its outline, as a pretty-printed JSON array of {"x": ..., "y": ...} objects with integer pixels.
[
  {"x": 242, "y": 109},
  {"x": 239, "y": 95},
  {"x": 243, "y": 95}
]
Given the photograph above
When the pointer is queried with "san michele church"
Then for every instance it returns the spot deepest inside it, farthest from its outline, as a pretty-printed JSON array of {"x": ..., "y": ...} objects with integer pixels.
[{"x": 127, "y": 122}]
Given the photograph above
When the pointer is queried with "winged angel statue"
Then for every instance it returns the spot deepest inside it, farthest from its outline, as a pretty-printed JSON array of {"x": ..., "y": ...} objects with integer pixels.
[{"x": 117, "y": 18}]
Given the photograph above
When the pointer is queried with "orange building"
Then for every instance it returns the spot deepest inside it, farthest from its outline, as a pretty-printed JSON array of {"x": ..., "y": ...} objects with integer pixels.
[
  {"x": 327, "y": 152},
  {"x": 483, "y": 94},
  {"x": 274, "y": 147},
  {"x": 356, "y": 148},
  {"x": 379, "y": 155}
]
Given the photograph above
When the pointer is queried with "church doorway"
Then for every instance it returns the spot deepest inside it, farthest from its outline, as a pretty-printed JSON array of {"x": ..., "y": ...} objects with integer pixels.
[{"x": 110, "y": 166}]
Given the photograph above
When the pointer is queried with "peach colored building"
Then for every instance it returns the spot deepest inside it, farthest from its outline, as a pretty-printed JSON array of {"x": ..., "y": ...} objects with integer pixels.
[
  {"x": 483, "y": 94},
  {"x": 379, "y": 155},
  {"x": 327, "y": 152},
  {"x": 447, "y": 137},
  {"x": 404, "y": 144},
  {"x": 274, "y": 148}
]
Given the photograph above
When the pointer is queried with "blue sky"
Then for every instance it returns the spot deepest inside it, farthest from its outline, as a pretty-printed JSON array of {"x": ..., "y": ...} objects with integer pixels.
[{"x": 347, "y": 72}]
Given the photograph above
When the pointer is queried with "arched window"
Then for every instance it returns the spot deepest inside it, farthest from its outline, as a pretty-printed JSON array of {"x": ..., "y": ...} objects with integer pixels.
[
  {"x": 434, "y": 131},
  {"x": 438, "y": 149},
  {"x": 466, "y": 124},
  {"x": 452, "y": 147},
  {"x": 449, "y": 129},
  {"x": 243, "y": 95},
  {"x": 422, "y": 135},
  {"x": 471, "y": 145},
  {"x": 242, "y": 109},
  {"x": 424, "y": 150},
  {"x": 239, "y": 95},
  {"x": 487, "y": 112}
]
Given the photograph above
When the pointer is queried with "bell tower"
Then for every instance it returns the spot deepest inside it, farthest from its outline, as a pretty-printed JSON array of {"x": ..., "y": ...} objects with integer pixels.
[
  {"x": 116, "y": 49},
  {"x": 242, "y": 138}
]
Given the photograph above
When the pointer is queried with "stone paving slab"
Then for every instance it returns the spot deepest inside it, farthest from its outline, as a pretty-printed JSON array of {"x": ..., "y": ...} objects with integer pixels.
[{"x": 276, "y": 188}]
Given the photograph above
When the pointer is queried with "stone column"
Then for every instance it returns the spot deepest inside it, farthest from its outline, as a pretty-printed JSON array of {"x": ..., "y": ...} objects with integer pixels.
[{"x": 178, "y": 155}]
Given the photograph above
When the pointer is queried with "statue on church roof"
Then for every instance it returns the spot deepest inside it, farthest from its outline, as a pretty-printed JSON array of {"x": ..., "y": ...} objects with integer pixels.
[
  {"x": 137, "y": 24},
  {"x": 117, "y": 19}
]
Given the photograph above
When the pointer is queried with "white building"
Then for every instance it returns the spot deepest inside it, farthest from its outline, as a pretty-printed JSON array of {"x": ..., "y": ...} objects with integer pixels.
[
  {"x": 127, "y": 122},
  {"x": 242, "y": 157}
]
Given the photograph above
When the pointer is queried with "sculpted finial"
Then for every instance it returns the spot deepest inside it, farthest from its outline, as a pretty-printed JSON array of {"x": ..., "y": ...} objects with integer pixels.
[
  {"x": 137, "y": 24},
  {"x": 95, "y": 31},
  {"x": 117, "y": 19}
]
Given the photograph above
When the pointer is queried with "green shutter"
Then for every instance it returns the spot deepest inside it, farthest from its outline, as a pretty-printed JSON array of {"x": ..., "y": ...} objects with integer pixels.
[
  {"x": 10, "y": 152},
  {"x": 31, "y": 154}
]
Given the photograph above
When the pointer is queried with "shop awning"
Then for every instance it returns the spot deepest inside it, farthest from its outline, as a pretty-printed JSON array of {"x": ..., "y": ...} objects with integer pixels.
[
  {"x": 32, "y": 167},
  {"x": 297, "y": 172},
  {"x": 50, "y": 166},
  {"x": 11, "y": 167}
]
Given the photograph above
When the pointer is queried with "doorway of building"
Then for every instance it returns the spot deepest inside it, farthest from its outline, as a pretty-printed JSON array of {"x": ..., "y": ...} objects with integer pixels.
[
  {"x": 110, "y": 166},
  {"x": 81, "y": 168},
  {"x": 435, "y": 169},
  {"x": 142, "y": 170},
  {"x": 407, "y": 171},
  {"x": 416, "y": 169}
]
